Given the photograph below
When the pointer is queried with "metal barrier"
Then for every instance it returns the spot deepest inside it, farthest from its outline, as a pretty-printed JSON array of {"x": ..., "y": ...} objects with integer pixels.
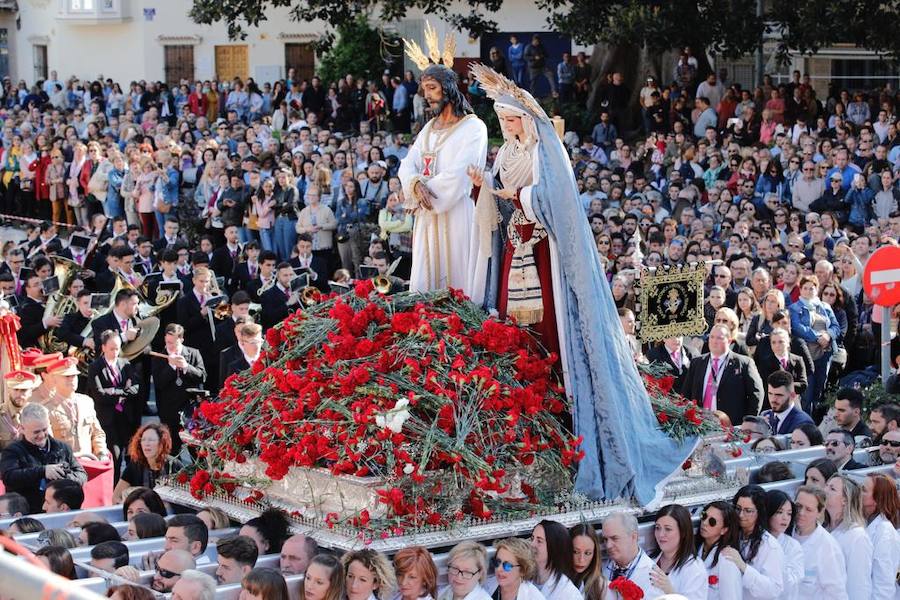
[{"x": 61, "y": 520}]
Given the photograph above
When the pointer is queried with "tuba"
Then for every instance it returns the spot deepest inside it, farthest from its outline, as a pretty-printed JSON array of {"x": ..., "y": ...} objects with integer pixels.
[{"x": 59, "y": 303}]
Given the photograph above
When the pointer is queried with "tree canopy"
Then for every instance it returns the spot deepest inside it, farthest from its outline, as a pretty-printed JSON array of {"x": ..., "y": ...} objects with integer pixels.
[{"x": 724, "y": 27}]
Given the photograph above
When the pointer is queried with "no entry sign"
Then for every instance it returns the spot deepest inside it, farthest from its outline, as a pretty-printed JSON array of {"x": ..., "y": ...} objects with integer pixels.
[{"x": 881, "y": 278}]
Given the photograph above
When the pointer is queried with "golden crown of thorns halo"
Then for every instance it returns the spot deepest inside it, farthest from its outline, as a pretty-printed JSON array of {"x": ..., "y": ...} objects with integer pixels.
[
  {"x": 415, "y": 53},
  {"x": 496, "y": 86}
]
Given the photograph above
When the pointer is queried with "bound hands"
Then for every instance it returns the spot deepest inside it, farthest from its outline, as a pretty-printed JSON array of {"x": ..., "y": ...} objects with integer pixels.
[
  {"x": 425, "y": 196},
  {"x": 476, "y": 175}
]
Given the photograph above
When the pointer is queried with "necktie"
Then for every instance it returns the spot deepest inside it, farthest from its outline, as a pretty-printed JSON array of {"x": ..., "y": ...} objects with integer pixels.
[
  {"x": 784, "y": 364},
  {"x": 252, "y": 271},
  {"x": 114, "y": 374},
  {"x": 202, "y": 300},
  {"x": 287, "y": 293},
  {"x": 124, "y": 324},
  {"x": 676, "y": 358},
  {"x": 618, "y": 572},
  {"x": 18, "y": 287},
  {"x": 709, "y": 392}
]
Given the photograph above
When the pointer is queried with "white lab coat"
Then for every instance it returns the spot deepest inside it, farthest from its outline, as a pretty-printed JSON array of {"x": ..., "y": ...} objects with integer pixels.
[
  {"x": 857, "y": 548},
  {"x": 690, "y": 580},
  {"x": 764, "y": 576},
  {"x": 727, "y": 578},
  {"x": 527, "y": 590},
  {"x": 793, "y": 566},
  {"x": 824, "y": 571},
  {"x": 477, "y": 593},
  {"x": 640, "y": 576},
  {"x": 886, "y": 561}
]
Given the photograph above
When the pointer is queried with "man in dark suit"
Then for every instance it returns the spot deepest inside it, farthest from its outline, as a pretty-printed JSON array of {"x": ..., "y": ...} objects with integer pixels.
[
  {"x": 781, "y": 359},
  {"x": 122, "y": 318},
  {"x": 240, "y": 308},
  {"x": 839, "y": 447},
  {"x": 224, "y": 260},
  {"x": 782, "y": 320},
  {"x": 170, "y": 239},
  {"x": 169, "y": 276},
  {"x": 114, "y": 385},
  {"x": 183, "y": 370},
  {"x": 673, "y": 353},
  {"x": 279, "y": 300},
  {"x": 250, "y": 343},
  {"x": 144, "y": 262},
  {"x": 265, "y": 278},
  {"x": 316, "y": 265},
  {"x": 193, "y": 315},
  {"x": 724, "y": 380},
  {"x": 848, "y": 405},
  {"x": 31, "y": 314},
  {"x": 785, "y": 415},
  {"x": 233, "y": 352},
  {"x": 247, "y": 271}
]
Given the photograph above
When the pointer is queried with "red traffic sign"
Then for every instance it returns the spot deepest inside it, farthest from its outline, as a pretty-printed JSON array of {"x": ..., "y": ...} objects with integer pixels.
[{"x": 881, "y": 278}]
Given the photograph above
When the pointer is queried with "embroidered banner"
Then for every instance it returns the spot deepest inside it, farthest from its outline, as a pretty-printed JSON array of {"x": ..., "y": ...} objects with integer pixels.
[{"x": 671, "y": 302}]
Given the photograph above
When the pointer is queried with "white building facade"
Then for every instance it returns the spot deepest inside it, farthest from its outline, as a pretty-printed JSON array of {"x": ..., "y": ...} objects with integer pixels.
[{"x": 129, "y": 40}]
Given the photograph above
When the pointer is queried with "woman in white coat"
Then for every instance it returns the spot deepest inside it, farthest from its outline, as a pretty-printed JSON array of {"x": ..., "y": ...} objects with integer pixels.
[
  {"x": 553, "y": 556},
  {"x": 844, "y": 520},
  {"x": 881, "y": 508},
  {"x": 467, "y": 570},
  {"x": 760, "y": 559},
  {"x": 719, "y": 530},
  {"x": 677, "y": 569},
  {"x": 781, "y": 524},
  {"x": 824, "y": 573},
  {"x": 587, "y": 562},
  {"x": 514, "y": 568}
]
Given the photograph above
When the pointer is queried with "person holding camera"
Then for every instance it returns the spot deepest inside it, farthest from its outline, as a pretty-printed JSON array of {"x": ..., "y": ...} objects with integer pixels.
[
  {"x": 352, "y": 213},
  {"x": 37, "y": 458}
]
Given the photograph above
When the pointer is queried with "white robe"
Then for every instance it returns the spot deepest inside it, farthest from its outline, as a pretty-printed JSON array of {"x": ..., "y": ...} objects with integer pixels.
[
  {"x": 886, "y": 561},
  {"x": 857, "y": 548},
  {"x": 824, "y": 573},
  {"x": 440, "y": 256}
]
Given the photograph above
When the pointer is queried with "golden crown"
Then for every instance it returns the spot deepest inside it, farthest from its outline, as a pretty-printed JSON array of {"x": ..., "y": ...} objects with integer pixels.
[{"x": 418, "y": 56}]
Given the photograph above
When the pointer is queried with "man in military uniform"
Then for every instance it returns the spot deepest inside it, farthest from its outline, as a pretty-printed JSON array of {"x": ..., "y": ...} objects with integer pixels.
[
  {"x": 19, "y": 385},
  {"x": 73, "y": 419},
  {"x": 43, "y": 393}
]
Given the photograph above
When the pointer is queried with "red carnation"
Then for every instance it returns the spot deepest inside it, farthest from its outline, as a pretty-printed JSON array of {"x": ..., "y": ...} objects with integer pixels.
[
  {"x": 713, "y": 580},
  {"x": 662, "y": 417},
  {"x": 626, "y": 588}
]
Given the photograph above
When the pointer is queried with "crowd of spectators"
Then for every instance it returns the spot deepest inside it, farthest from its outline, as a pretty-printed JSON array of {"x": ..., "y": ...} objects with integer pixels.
[{"x": 231, "y": 193}]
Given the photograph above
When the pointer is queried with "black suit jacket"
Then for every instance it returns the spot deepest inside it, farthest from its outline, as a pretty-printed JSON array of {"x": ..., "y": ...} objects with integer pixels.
[
  {"x": 106, "y": 395},
  {"x": 658, "y": 353},
  {"x": 72, "y": 326},
  {"x": 171, "y": 396},
  {"x": 226, "y": 357},
  {"x": 320, "y": 266},
  {"x": 794, "y": 419},
  {"x": 769, "y": 364},
  {"x": 223, "y": 265},
  {"x": 104, "y": 322},
  {"x": 197, "y": 333},
  {"x": 740, "y": 390},
  {"x": 274, "y": 307},
  {"x": 236, "y": 366},
  {"x": 853, "y": 465},
  {"x": 31, "y": 315}
]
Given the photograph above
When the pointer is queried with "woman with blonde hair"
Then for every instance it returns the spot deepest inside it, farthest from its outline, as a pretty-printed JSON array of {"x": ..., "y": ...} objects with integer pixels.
[
  {"x": 761, "y": 323},
  {"x": 514, "y": 568},
  {"x": 143, "y": 194},
  {"x": 467, "y": 567},
  {"x": 845, "y": 522},
  {"x": 56, "y": 178},
  {"x": 368, "y": 574},
  {"x": 416, "y": 574},
  {"x": 215, "y": 518}
]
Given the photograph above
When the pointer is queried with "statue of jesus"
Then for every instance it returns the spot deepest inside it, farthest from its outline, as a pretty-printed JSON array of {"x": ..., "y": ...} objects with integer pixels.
[{"x": 436, "y": 187}]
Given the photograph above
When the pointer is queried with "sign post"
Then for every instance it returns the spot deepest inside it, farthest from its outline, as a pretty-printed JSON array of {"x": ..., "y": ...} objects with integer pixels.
[{"x": 881, "y": 281}]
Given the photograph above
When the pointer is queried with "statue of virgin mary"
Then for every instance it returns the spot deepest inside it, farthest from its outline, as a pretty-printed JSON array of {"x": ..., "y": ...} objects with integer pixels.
[{"x": 545, "y": 272}]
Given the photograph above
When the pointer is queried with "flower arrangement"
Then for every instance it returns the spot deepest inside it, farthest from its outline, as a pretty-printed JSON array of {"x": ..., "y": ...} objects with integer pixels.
[
  {"x": 454, "y": 415},
  {"x": 677, "y": 416},
  {"x": 626, "y": 589}
]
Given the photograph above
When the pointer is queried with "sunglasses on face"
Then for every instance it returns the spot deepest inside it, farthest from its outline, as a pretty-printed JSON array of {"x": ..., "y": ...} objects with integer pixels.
[
  {"x": 833, "y": 444},
  {"x": 705, "y": 518},
  {"x": 891, "y": 443},
  {"x": 506, "y": 566},
  {"x": 166, "y": 574}
]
